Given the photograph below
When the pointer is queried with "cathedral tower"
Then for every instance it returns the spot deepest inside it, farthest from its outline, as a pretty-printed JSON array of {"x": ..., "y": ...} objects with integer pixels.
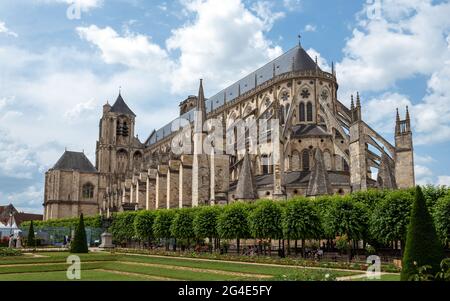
[
  {"x": 404, "y": 152},
  {"x": 118, "y": 150}
]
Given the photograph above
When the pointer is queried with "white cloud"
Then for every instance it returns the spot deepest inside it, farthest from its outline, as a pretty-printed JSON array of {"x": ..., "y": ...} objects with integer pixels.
[
  {"x": 29, "y": 200},
  {"x": 310, "y": 28},
  {"x": 224, "y": 42},
  {"x": 410, "y": 38},
  {"x": 424, "y": 175},
  {"x": 292, "y": 5},
  {"x": 444, "y": 180},
  {"x": 6, "y": 30},
  {"x": 321, "y": 61},
  {"x": 84, "y": 5}
]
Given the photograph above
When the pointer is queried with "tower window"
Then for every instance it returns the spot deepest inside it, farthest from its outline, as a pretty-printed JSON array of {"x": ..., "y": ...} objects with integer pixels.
[
  {"x": 309, "y": 111},
  {"x": 305, "y": 160},
  {"x": 88, "y": 191},
  {"x": 302, "y": 112}
]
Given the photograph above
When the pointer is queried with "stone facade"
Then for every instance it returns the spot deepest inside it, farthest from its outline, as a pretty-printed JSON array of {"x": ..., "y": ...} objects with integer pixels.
[{"x": 318, "y": 146}]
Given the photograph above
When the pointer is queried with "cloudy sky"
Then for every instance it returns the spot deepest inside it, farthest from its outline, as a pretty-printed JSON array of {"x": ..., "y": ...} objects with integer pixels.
[{"x": 61, "y": 60}]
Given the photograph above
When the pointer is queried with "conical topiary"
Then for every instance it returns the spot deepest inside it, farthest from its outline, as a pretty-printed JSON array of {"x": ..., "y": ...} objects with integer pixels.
[
  {"x": 79, "y": 243},
  {"x": 422, "y": 245},
  {"x": 31, "y": 241}
]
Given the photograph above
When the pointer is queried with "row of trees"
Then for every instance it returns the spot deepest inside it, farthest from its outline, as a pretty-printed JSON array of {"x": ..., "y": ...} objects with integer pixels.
[{"x": 379, "y": 218}]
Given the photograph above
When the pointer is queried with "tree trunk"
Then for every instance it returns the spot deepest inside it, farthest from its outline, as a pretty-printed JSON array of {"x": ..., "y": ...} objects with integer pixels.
[
  {"x": 238, "y": 246},
  {"x": 270, "y": 247},
  {"x": 175, "y": 245},
  {"x": 289, "y": 247},
  {"x": 295, "y": 246},
  {"x": 303, "y": 248}
]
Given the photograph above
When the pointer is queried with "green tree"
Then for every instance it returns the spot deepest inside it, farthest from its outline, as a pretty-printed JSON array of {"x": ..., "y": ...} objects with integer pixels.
[
  {"x": 182, "y": 226},
  {"x": 233, "y": 223},
  {"x": 79, "y": 243},
  {"x": 441, "y": 215},
  {"x": 348, "y": 218},
  {"x": 162, "y": 223},
  {"x": 422, "y": 244},
  {"x": 31, "y": 241},
  {"x": 390, "y": 218},
  {"x": 265, "y": 221},
  {"x": 301, "y": 220},
  {"x": 205, "y": 222},
  {"x": 122, "y": 227},
  {"x": 433, "y": 193},
  {"x": 143, "y": 225}
]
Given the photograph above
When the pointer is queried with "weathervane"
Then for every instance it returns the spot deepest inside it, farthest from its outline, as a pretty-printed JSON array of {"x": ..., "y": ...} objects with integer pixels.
[{"x": 299, "y": 40}]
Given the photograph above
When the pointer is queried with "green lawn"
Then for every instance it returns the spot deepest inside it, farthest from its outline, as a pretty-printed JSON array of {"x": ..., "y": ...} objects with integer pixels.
[
  {"x": 110, "y": 267},
  {"x": 89, "y": 275},
  {"x": 388, "y": 277}
]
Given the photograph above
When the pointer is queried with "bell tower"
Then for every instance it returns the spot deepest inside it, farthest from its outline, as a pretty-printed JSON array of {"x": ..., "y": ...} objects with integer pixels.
[
  {"x": 404, "y": 152},
  {"x": 115, "y": 147}
]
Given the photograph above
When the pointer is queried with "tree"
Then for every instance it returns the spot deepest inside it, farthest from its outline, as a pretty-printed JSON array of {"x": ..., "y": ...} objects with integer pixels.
[
  {"x": 265, "y": 220},
  {"x": 143, "y": 225},
  {"x": 122, "y": 227},
  {"x": 182, "y": 225},
  {"x": 349, "y": 218},
  {"x": 390, "y": 218},
  {"x": 433, "y": 193},
  {"x": 233, "y": 223},
  {"x": 422, "y": 244},
  {"x": 31, "y": 241},
  {"x": 205, "y": 222},
  {"x": 79, "y": 243},
  {"x": 441, "y": 215},
  {"x": 301, "y": 221},
  {"x": 162, "y": 223}
]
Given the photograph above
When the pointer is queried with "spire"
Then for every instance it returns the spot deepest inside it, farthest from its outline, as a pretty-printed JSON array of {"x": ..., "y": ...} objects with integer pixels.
[
  {"x": 201, "y": 109},
  {"x": 407, "y": 113},
  {"x": 358, "y": 100},
  {"x": 352, "y": 105},
  {"x": 397, "y": 123},
  {"x": 408, "y": 120},
  {"x": 319, "y": 183},
  {"x": 246, "y": 186},
  {"x": 300, "y": 40},
  {"x": 121, "y": 107},
  {"x": 317, "y": 64},
  {"x": 332, "y": 69}
]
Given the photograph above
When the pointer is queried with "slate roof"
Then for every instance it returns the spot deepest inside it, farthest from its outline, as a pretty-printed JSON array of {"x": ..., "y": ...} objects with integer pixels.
[
  {"x": 302, "y": 178},
  {"x": 246, "y": 186},
  {"x": 19, "y": 217},
  {"x": 309, "y": 130},
  {"x": 121, "y": 107},
  {"x": 74, "y": 161},
  {"x": 296, "y": 59}
]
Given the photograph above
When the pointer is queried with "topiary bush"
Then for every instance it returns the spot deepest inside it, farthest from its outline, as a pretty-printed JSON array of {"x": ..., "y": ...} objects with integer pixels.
[
  {"x": 79, "y": 243},
  {"x": 423, "y": 248}
]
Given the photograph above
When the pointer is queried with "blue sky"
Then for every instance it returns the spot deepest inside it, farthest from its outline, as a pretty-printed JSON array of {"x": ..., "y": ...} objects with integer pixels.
[{"x": 57, "y": 71}]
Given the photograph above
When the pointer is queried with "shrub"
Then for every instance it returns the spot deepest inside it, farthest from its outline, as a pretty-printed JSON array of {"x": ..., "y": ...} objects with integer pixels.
[
  {"x": 122, "y": 227},
  {"x": 31, "y": 240},
  {"x": 7, "y": 252},
  {"x": 233, "y": 223},
  {"x": 441, "y": 215},
  {"x": 162, "y": 223},
  {"x": 182, "y": 225},
  {"x": 265, "y": 220},
  {"x": 79, "y": 243},
  {"x": 422, "y": 245},
  {"x": 205, "y": 222},
  {"x": 143, "y": 225},
  {"x": 390, "y": 218}
]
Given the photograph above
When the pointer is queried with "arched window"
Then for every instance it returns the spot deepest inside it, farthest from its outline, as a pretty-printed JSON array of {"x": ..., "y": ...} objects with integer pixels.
[
  {"x": 88, "y": 191},
  {"x": 309, "y": 111},
  {"x": 302, "y": 112},
  {"x": 295, "y": 161},
  {"x": 305, "y": 160},
  {"x": 281, "y": 113}
]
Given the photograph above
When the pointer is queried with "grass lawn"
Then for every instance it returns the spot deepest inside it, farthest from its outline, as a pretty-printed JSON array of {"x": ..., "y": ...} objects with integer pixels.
[
  {"x": 89, "y": 275},
  {"x": 387, "y": 277},
  {"x": 113, "y": 267}
]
